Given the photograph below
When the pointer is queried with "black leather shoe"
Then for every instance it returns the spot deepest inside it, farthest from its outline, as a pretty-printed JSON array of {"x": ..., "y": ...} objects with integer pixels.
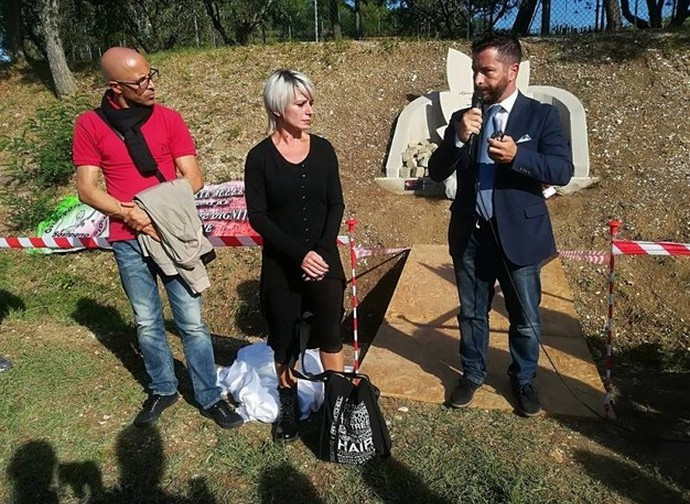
[
  {"x": 527, "y": 400},
  {"x": 221, "y": 413},
  {"x": 285, "y": 429},
  {"x": 463, "y": 393},
  {"x": 153, "y": 407}
]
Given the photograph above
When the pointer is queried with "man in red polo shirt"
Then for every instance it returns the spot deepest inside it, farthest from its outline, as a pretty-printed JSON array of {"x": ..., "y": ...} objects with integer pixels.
[{"x": 137, "y": 144}]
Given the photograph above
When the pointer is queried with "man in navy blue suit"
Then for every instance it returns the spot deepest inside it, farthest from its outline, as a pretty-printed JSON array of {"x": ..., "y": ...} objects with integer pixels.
[{"x": 504, "y": 149}]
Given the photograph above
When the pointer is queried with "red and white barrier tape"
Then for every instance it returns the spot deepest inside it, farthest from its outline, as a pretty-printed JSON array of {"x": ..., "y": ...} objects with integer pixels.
[
  {"x": 619, "y": 247},
  {"x": 622, "y": 247},
  {"x": 35, "y": 242},
  {"x": 625, "y": 247},
  {"x": 363, "y": 252},
  {"x": 593, "y": 256}
]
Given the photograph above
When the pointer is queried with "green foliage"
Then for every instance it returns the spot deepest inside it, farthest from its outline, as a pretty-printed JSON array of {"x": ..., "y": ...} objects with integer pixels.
[{"x": 39, "y": 162}]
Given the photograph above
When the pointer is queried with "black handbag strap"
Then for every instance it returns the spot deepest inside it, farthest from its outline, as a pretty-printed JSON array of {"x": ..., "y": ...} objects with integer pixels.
[
  {"x": 302, "y": 334},
  {"x": 102, "y": 115}
]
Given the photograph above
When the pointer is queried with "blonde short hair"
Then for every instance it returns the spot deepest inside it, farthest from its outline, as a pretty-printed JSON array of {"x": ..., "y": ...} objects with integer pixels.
[{"x": 280, "y": 90}]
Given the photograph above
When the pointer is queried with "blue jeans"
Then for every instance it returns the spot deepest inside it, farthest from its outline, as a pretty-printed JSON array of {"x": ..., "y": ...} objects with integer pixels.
[
  {"x": 139, "y": 280},
  {"x": 476, "y": 272}
]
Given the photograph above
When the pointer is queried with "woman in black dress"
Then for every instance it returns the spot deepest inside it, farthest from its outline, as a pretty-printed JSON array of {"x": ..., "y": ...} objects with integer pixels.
[{"x": 295, "y": 202}]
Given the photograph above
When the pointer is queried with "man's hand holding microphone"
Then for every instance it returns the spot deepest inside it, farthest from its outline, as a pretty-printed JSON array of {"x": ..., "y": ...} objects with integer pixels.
[{"x": 502, "y": 148}]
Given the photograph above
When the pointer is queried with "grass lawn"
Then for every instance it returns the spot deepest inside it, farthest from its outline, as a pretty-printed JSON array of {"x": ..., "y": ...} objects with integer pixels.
[{"x": 77, "y": 382}]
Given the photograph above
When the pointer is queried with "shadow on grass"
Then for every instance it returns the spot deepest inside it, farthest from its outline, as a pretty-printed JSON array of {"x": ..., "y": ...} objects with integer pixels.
[
  {"x": 394, "y": 483},
  {"x": 30, "y": 473},
  {"x": 248, "y": 316},
  {"x": 627, "y": 480},
  {"x": 141, "y": 465},
  {"x": 372, "y": 308},
  {"x": 283, "y": 483},
  {"x": 119, "y": 337},
  {"x": 8, "y": 303}
]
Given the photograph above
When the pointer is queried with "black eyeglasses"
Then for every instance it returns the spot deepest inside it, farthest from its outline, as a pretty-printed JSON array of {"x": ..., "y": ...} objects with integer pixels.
[{"x": 143, "y": 83}]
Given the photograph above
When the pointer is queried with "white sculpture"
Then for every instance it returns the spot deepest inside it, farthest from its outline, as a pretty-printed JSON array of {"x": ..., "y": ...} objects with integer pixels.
[{"x": 426, "y": 118}]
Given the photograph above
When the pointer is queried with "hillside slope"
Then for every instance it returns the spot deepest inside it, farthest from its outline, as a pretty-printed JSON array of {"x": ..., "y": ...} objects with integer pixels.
[{"x": 635, "y": 89}]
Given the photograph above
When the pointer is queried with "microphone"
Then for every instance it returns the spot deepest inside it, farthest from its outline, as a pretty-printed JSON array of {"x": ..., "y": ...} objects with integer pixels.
[{"x": 477, "y": 102}]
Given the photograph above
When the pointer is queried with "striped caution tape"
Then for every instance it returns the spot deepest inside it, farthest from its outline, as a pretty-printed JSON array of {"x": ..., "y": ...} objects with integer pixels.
[
  {"x": 619, "y": 247},
  {"x": 592, "y": 256},
  {"x": 363, "y": 252},
  {"x": 623, "y": 247},
  {"x": 34, "y": 242},
  {"x": 65, "y": 243}
]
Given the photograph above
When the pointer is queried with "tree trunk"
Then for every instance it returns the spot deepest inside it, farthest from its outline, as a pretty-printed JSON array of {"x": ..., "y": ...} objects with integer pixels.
[
  {"x": 545, "y": 17},
  {"x": 335, "y": 19},
  {"x": 681, "y": 14},
  {"x": 637, "y": 22},
  {"x": 613, "y": 15},
  {"x": 62, "y": 76},
  {"x": 214, "y": 13},
  {"x": 654, "y": 10},
  {"x": 524, "y": 17},
  {"x": 358, "y": 19}
]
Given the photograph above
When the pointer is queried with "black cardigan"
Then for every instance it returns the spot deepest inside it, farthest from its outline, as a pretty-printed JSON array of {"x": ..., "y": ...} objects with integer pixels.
[{"x": 295, "y": 207}]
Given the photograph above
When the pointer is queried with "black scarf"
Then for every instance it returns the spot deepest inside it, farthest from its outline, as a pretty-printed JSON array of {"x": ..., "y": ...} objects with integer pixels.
[{"x": 128, "y": 122}]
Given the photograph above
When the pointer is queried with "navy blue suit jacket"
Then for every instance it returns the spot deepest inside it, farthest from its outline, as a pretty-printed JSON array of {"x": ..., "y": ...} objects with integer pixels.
[{"x": 524, "y": 227}]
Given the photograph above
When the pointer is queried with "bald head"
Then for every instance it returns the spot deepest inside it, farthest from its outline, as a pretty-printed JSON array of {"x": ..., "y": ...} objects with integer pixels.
[
  {"x": 123, "y": 63},
  {"x": 129, "y": 76}
]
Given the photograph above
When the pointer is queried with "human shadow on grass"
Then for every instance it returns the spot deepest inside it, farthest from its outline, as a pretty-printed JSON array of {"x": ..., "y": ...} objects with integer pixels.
[
  {"x": 248, "y": 316},
  {"x": 141, "y": 465},
  {"x": 627, "y": 480},
  {"x": 119, "y": 337},
  {"x": 30, "y": 474},
  {"x": 8, "y": 303},
  {"x": 283, "y": 483},
  {"x": 391, "y": 480},
  {"x": 394, "y": 483}
]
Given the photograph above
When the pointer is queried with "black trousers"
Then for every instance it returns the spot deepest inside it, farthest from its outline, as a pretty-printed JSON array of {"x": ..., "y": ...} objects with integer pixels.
[{"x": 283, "y": 304}]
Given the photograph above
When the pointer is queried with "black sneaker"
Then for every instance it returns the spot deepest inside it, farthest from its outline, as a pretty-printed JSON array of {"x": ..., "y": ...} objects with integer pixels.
[
  {"x": 223, "y": 415},
  {"x": 153, "y": 407},
  {"x": 285, "y": 429},
  {"x": 5, "y": 364},
  {"x": 463, "y": 393},
  {"x": 527, "y": 400}
]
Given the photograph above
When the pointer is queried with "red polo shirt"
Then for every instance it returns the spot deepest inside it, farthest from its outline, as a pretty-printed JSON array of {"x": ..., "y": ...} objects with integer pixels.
[{"x": 96, "y": 144}]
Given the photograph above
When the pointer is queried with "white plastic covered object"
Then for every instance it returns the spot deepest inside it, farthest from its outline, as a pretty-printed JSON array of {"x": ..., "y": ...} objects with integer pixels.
[{"x": 252, "y": 382}]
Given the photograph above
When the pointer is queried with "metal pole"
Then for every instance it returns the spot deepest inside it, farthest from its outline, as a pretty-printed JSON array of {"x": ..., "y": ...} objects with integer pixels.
[
  {"x": 469, "y": 20},
  {"x": 351, "y": 223},
  {"x": 614, "y": 226},
  {"x": 316, "y": 20},
  {"x": 196, "y": 30}
]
